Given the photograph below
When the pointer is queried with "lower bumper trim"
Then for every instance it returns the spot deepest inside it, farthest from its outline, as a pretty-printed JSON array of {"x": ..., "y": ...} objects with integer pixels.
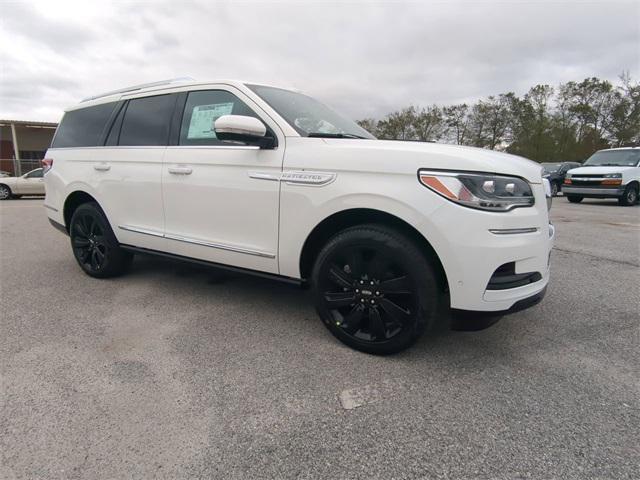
[{"x": 517, "y": 307}]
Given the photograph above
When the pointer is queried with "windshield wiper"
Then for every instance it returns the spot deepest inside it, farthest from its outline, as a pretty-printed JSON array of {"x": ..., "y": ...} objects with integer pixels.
[{"x": 334, "y": 135}]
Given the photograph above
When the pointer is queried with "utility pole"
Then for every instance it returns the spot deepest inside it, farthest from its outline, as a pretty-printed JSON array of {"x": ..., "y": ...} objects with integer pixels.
[{"x": 16, "y": 152}]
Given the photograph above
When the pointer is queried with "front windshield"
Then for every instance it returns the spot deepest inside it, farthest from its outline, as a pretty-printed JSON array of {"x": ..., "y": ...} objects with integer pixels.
[
  {"x": 551, "y": 167},
  {"x": 307, "y": 116},
  {"x": 614, "y": 158}
]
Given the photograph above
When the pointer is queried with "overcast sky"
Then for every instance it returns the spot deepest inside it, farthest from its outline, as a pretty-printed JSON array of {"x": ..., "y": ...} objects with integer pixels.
[{"x": 363, "y": 58}]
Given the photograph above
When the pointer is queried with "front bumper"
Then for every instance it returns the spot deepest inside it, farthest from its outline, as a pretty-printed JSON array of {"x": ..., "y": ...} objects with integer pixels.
[
  {"x": 597, "y": 192},
  {"x": 483, "y": 242}
]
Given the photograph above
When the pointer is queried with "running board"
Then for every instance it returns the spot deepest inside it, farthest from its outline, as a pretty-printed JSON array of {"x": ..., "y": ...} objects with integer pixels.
[{"x": 221, "y": 266}]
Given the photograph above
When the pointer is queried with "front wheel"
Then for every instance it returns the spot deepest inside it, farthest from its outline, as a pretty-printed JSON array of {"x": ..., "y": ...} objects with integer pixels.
[
  {"x": 555, "y": 188},
  {"x": 374, "y": 289},
  {"x": 574, "y": 198},
  {"x": 629, "y": 197},
  {"x": 94, "y": 245}
]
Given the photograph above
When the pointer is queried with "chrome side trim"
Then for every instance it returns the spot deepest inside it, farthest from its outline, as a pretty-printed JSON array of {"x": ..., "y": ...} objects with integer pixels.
[
  {"x": 512, "y": 231},
  {"x": 195, "y": 241},
  {"x": 50, "y": 207},
  {"x": 144, "y": 231},
  {"x": 305, "y": 177},
  {"x": 219, "y": 246},
  {"x": 213, "y": 147},
  {"x": 264, "y": 176}
]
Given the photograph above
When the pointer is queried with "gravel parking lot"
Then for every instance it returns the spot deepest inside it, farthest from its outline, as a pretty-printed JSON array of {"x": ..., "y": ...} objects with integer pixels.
[{"x": 175, "y": 371}]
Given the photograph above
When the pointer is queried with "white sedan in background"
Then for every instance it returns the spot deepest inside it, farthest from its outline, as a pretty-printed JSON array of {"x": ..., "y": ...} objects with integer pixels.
[{"x": 30, "y": 183}]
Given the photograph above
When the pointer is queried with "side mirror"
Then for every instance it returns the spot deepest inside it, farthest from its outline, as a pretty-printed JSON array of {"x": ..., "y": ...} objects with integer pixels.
[{"x": 239, "y": 128}]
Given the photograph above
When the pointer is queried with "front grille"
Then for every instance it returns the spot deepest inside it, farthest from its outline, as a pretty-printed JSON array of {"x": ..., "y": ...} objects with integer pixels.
[
  {"x": 506, "y": 277},
  {"x": 587, "y": 183}
]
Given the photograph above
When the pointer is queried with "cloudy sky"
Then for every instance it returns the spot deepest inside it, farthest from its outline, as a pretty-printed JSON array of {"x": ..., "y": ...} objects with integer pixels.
[{"x": 364, "y": 58}]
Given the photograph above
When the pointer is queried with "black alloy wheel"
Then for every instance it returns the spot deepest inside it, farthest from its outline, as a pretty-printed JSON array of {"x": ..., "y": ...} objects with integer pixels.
[
  {"x": 94, "y": 245},
  {"x": 374, "y": 289}
]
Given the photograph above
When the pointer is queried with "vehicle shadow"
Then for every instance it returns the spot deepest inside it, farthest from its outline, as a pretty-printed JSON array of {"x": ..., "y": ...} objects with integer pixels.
[{"x": 295, "y": 299}]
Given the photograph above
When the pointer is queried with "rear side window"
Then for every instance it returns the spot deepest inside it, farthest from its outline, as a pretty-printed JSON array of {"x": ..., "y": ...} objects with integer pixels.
[
  {"x": 146, "y": 121},
  {"x": 202, "y": 109},
  {"x": 83, "y": 127}
]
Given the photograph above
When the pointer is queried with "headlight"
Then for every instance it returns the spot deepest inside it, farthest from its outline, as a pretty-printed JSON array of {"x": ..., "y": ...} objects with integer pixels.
[
  {"x": 612, "y": 175},
  {"x": 484, "y": 191}
]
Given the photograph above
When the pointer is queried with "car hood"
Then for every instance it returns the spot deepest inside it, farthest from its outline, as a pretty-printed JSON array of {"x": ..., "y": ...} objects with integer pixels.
[
  {"x": 404, "y": 157},
  {"x": 598, "y": 170}
]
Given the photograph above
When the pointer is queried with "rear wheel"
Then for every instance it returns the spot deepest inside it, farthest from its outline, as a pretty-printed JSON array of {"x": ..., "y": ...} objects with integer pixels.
[
  {"x": 374, "y": 290},
  {"x": 629, "y": 197},
  {"x": 555, "y": 188},
  {"x": 94, "y": 245},
  {"x": 5, "y": 192},
  {"x": 574, "y": 198}
]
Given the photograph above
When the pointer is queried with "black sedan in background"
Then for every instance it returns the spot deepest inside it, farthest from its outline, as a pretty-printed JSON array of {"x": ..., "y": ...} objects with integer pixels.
[{"x": 556, "y": 172}]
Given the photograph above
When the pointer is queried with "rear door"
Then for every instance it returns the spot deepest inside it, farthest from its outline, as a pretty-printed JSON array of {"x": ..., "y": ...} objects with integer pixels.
[
  {"x": 221, "y": 200},
  {"x": 129, "y": 167}
]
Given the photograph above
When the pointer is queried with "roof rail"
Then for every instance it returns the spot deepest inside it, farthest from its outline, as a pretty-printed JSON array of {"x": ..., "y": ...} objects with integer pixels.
[{"x": 140, "y": 87}]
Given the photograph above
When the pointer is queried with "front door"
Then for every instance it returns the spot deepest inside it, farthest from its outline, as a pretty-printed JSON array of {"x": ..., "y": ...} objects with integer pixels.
[
  {"x": 221, "y": 200},
  {"x": 31, "y": 183}
]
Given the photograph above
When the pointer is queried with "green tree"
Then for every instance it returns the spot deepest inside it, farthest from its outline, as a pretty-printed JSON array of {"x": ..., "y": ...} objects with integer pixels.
[
  {"x": 456, "y": 119},
  {"x": 398, "y": 125}
]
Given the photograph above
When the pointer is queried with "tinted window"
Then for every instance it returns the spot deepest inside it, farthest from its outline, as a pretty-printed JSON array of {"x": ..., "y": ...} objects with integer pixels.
[
  {"x": 83, "y": 127},
  {"x": 114, "y": 133},
  {"x": 146, "y": 121},
  {"x": 203, "y": 109}
]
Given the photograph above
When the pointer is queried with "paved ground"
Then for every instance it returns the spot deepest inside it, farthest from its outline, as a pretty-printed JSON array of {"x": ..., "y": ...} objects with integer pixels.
[{"x": 177, "y": 372}]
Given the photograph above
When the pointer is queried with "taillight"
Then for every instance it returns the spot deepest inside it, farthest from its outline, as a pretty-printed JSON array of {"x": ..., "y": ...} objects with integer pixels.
[
  {"x": 47, "y": 164},
  {"x": 567, "y": 181}
]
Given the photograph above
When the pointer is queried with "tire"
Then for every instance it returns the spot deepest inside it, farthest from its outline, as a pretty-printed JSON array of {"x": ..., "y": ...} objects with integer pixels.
[
  {"x": 94, "y": 245},
  {"x": 555, "y": 189},
  {"x": 374, "y": 289},
  {"x": 629, "y": 197},
  {"x": 575, "y": 198},
  {"x": 5, "y": 192}
]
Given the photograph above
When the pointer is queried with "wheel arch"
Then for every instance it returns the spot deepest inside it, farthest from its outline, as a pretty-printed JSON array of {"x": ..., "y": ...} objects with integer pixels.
[
  {"x": 72, "y": 202},
  {"x": 634, "y": 183},
  {"x": 343, "y": 219}
]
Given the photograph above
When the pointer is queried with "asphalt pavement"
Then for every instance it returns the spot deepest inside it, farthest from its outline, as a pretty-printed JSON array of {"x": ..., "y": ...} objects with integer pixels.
[{"x": 176, "y": 371}]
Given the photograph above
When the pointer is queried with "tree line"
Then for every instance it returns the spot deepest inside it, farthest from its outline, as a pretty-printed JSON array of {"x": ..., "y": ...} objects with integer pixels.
[{"x": 546, "y": 124}]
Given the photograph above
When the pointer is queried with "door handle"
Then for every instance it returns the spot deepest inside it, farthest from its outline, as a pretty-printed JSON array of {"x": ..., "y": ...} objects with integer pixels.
[
  {"x": 180, "y": 170},
  {"x": 102, "y": 167}
]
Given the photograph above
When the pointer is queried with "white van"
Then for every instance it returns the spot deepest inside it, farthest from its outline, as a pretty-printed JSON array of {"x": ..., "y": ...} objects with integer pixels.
[{"x": 270, "y": 181}]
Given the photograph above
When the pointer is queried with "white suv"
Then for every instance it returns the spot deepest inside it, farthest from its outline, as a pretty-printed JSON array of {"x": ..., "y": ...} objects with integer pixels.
[
  {"x": 270, "y": 181},
  {"x": 612, "y": 173}
]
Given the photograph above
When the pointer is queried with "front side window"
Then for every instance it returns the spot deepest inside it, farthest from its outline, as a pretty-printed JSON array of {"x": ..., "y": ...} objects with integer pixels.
[
  {"x": 307, "y": 116},
  {"x": 83, "y": 127},
  {"x": 147, "y": 120},
  {"x": 614, "y": 158},
  {"x": 201, "y": 111},
  {"x": 37, "y": 173}
]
